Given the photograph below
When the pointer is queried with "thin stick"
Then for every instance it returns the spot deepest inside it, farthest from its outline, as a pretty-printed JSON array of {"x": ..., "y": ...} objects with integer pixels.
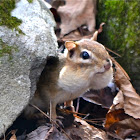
[
  {"x": 52, "y": 121},
  {"x": 112, "y": 51},
  {"x": 48, "y": 133},
  {"x": 71, "y": 112},
  {"x": 77, "y": 106}
]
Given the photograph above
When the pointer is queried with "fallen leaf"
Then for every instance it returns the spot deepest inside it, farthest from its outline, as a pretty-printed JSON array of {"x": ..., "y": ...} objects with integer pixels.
[
  {"x": 131, "y": 100},
  {"x": 130, "y": 123},
  {"x": 114, "y": 117},
  {"x": 123, "y": 124},
  {"x": 118, "y": 102},
  {"x": 83, "y": 131},
  {"x": 86, "y": 132},
  {"x": 124, "y": 133},
  {"x": 124, "y": 114},
  {"x": 76, "y": 13},
  {"x": 56, "y": 3},
  {"x": 103, "y": 97},
  {"x": 74, "y": 36},
  {"x": 41, "y": 133}
]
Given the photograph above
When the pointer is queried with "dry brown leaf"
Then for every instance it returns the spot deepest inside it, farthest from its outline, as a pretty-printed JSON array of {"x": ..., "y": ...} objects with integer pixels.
[
  {"x": 118, "y": 102},
  {"x": 130, "y": 123},
  {"x": 42, "y": 133},
  {"x": 124, "y": 133},
  {"x": 102, "y": 97},
  {"x": 77, "y": 13},
  {"x": 56, "y": 3},
  {"x": 83, "y": 131},
  {"x": 123, "y": 124},
  {"x": 114, "y": 117},
  {"x": 124, "y": 115},
  {"x": 131, "y": 100},
  {"x": 74, "y": 36}
]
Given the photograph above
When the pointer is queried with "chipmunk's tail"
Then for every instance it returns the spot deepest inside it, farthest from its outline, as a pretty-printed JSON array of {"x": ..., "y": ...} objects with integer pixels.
[{"x": 94, "y": 38}]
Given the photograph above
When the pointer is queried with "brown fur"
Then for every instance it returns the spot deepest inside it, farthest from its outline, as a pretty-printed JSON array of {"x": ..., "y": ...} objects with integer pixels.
[{"x": 67, "y": 78}]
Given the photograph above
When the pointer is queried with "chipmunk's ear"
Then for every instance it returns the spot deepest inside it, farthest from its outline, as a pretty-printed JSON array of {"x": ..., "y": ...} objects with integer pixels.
[
  {"x": 94, "y": 38},
  {"x": 70, "y": 45}
]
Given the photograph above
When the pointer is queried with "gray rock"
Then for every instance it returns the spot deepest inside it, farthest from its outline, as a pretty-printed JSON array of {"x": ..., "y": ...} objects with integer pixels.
[{"x": 21, "y": 67}]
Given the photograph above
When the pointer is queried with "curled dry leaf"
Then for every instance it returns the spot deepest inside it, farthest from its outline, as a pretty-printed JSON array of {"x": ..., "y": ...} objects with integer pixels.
[
  {"x": 131, "y": 100},
  {"x": 77, "y": 13},
  {"x": 118, "y": 102}
]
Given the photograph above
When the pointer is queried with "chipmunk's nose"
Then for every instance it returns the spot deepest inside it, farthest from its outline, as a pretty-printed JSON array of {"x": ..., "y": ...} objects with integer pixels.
[{"x": 107, "y": 65}]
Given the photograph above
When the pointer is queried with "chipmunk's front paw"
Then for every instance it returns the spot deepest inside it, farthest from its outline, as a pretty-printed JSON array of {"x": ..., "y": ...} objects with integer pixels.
[
  {"x": 65, "y": 117},
  {"x": 59, "y": 121}
]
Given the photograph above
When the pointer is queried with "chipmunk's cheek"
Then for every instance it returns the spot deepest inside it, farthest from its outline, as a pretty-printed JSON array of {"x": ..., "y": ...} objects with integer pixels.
[
  {"x": 106, "y": 67},
  {"x": 101, "y": 70}
]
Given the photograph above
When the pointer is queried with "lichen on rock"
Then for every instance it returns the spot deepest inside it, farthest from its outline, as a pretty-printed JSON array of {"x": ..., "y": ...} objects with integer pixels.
[
  {"x": 6, "y": 6},
  {"x": 30, "y": 1},
  {"x": 6, "y": 49}
]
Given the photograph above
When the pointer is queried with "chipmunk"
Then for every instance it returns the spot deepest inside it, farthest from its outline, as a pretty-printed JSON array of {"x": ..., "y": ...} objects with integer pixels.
[{"x": 86, "y": 65}]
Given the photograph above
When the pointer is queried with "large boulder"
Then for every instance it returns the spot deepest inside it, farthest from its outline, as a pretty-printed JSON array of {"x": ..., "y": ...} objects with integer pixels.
[{"x": 23, "y": 52}]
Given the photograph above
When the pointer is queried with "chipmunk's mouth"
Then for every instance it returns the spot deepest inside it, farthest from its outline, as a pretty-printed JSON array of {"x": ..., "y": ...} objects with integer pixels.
[
  {"x": 105, "y": 68},
  {"x": 100, "y": 72}
]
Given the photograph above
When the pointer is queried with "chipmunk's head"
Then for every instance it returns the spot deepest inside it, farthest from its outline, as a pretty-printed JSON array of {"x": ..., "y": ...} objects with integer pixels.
[{"x": 92, "y": 60}]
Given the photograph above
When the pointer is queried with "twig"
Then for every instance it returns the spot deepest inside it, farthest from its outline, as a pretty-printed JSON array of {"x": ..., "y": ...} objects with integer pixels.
[
  {"x": 86, "y": 116},
  {"x": 88, "y": 120},
  {"x": 57, "y": 125},
  {"x": 78, "y": 103},
  {"x": 71, "y": 112},
  {"x": 49, "y": 132},
  {"x": 112, "y": 51}
]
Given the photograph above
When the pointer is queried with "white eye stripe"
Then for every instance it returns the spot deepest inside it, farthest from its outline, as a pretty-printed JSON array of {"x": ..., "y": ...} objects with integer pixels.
[{"x": 65, "y": 52}]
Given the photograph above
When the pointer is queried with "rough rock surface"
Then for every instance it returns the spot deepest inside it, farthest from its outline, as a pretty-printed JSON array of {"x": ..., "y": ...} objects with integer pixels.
[{"x": 24, "y": 58}]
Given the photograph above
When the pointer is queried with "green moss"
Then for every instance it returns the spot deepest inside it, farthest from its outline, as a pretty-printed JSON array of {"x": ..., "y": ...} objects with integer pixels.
[
  {"x": 6, "y": 6},
  {"x": 6, "y": 49},
  {"x": 30, "y": 1},
  {"x": 122, "y": 31}
]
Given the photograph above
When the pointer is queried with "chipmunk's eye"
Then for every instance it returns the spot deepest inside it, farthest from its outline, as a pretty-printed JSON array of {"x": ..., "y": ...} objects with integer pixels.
[{"x": 84, "y": 55}]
